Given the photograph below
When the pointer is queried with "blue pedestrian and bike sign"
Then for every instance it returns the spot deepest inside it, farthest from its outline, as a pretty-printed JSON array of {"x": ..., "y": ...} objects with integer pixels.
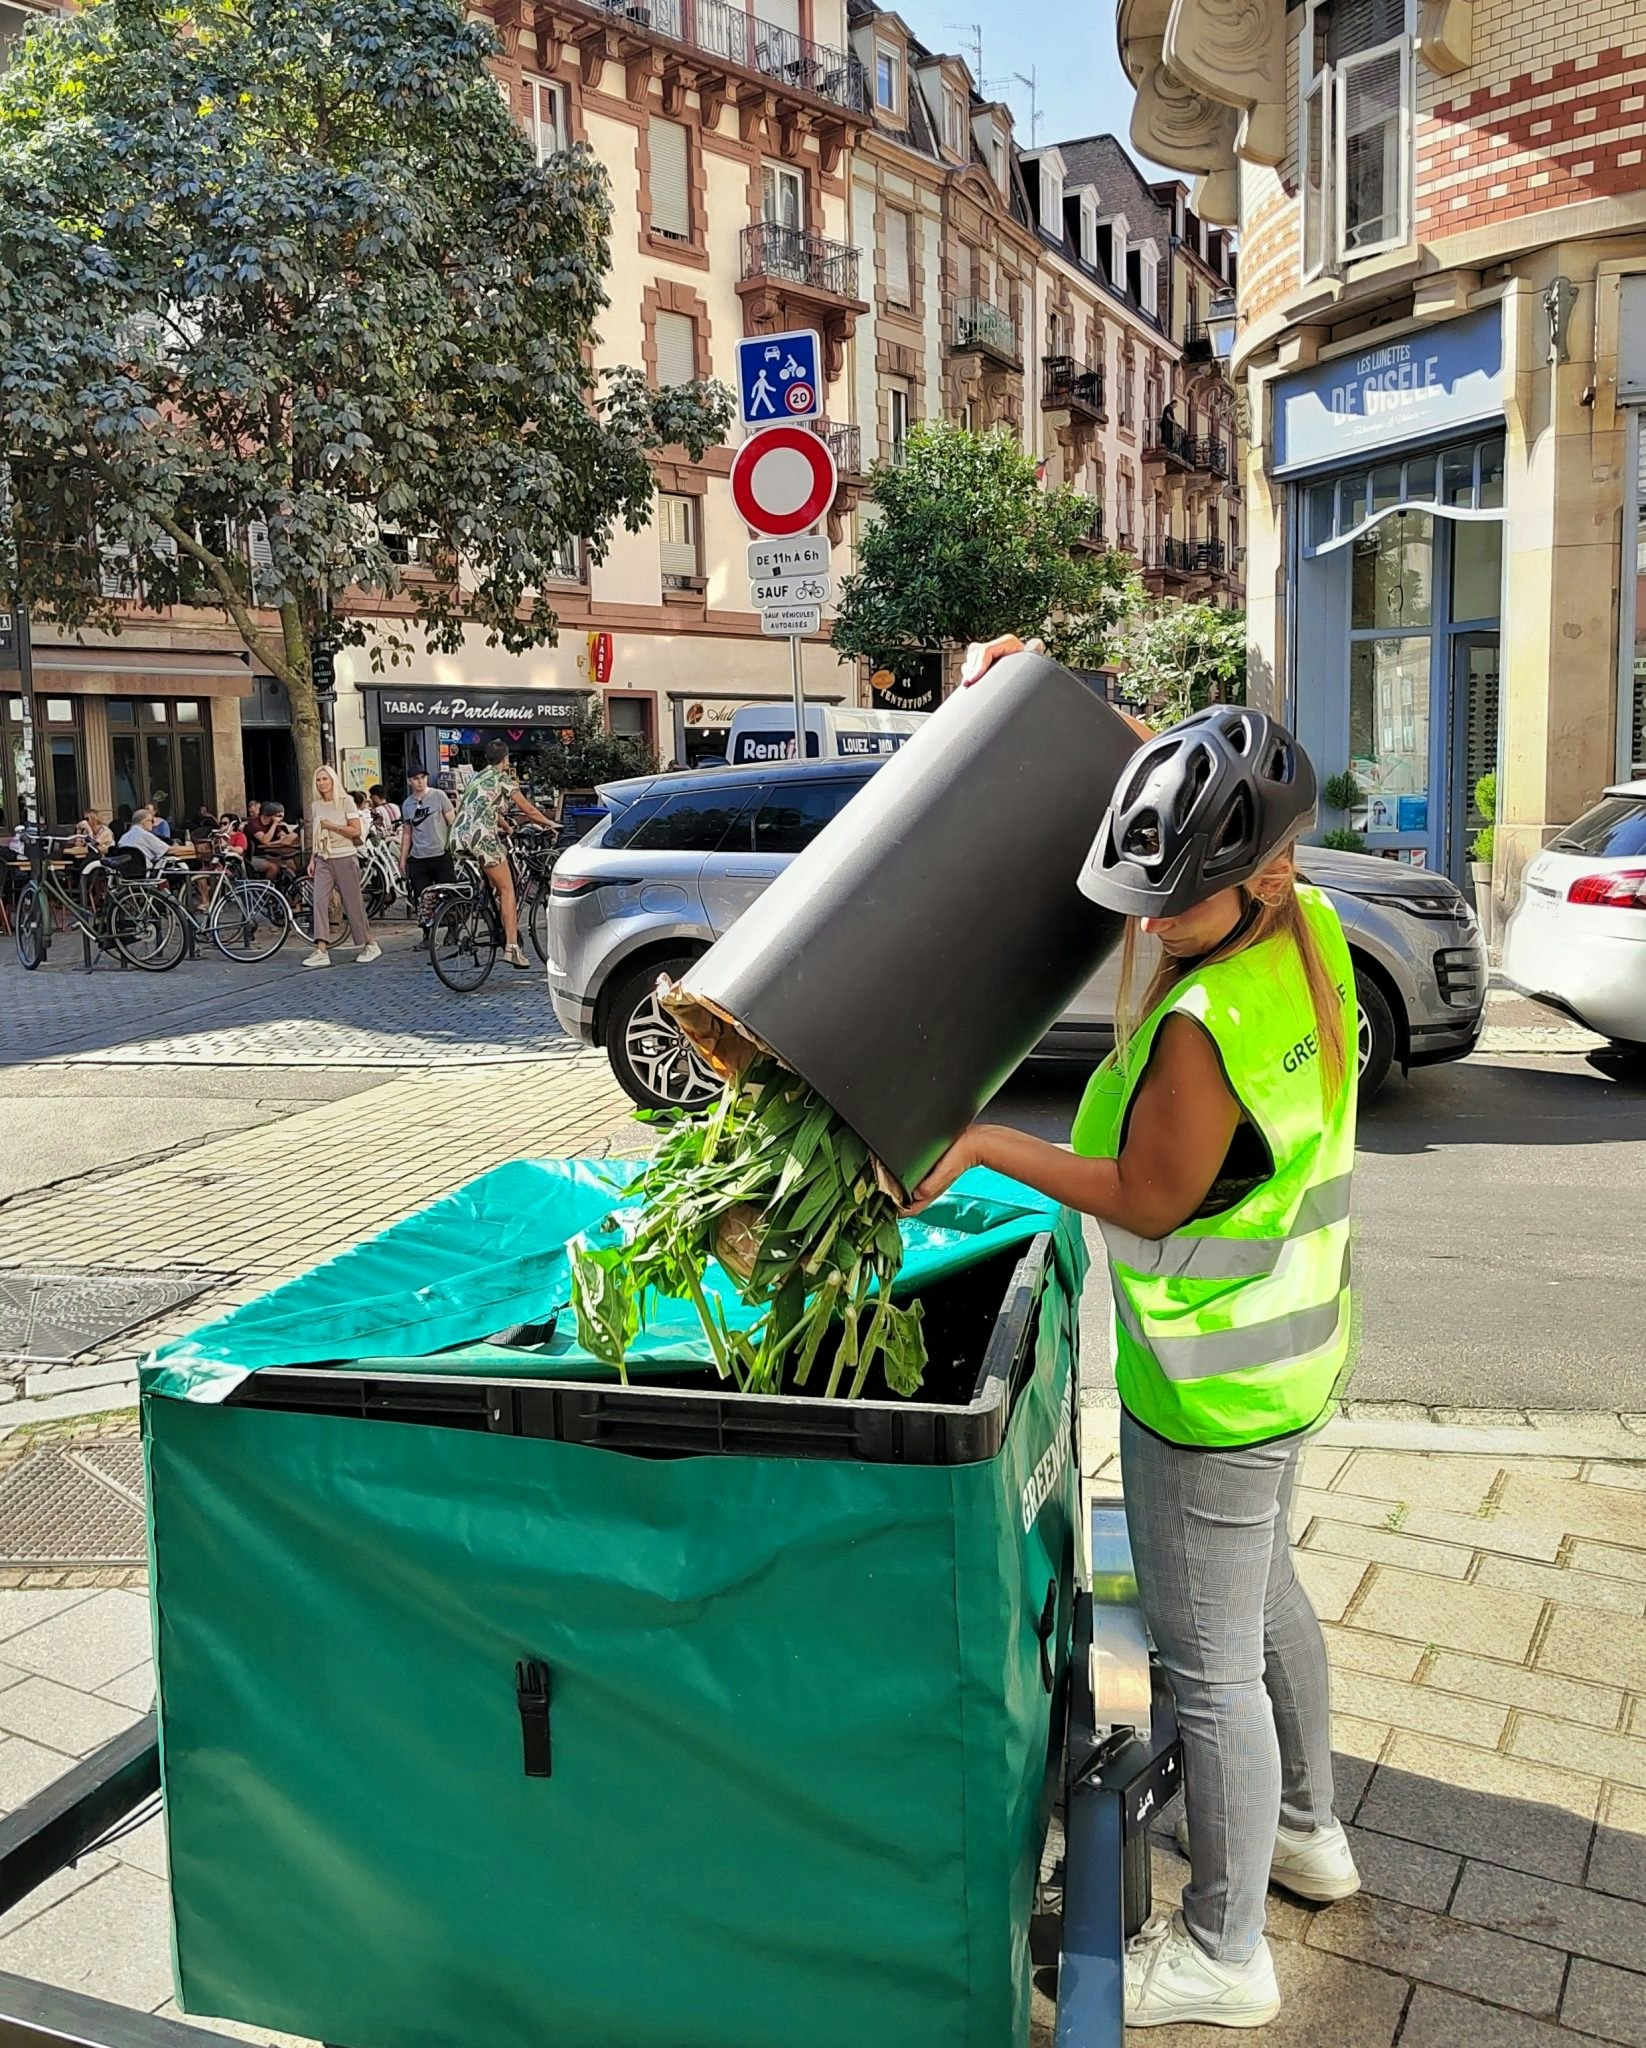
[{"x": 779, "y": 377}]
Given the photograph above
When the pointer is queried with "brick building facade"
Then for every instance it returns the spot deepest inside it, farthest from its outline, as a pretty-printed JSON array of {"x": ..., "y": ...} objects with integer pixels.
[{"x": 1442, "y": 215}]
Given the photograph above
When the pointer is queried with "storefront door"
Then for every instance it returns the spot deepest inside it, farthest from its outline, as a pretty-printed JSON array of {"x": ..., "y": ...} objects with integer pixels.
[{"x": 1473, "y": 738}]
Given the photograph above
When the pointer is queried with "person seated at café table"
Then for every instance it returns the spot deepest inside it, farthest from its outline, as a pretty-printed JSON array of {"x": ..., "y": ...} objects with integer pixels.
[
  {"x": 142, "y": 835},
  {"x": 93, "y": 834},
  {"x": 275, "y": 846},
  {"x": 233, "y": 832},
  {"x": 161, "y": 825}
]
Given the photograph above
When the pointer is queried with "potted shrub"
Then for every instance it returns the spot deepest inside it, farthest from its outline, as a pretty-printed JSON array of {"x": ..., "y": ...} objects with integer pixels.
[
  {"x": 1480, "y": 852},
  {"x": 1344, "y": 839}
]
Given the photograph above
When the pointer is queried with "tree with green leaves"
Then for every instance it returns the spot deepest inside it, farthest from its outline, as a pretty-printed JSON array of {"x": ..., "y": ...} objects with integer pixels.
[
  {"x": 1181, "y": 657},
  {"x": 964, "y": 542},
  {"x": 282, "y": 285}
]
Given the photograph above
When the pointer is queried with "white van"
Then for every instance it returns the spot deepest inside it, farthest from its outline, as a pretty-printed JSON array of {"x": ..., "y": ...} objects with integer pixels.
[{"x": 765, "y": 732}]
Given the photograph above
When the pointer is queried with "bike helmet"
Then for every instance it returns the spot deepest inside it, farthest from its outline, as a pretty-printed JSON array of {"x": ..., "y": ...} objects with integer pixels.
[{"x": 1202, "y": 808}]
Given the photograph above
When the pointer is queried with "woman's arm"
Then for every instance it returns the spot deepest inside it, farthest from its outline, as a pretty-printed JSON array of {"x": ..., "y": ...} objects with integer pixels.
[{"x": 1182, "y": 1119}]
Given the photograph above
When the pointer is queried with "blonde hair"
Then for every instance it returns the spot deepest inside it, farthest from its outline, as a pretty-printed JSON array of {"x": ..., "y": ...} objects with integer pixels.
[{"x": 1279, "y": 915}]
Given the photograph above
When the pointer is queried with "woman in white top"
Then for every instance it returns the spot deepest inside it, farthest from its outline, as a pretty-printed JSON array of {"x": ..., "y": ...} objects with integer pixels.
[{"x": 336, "y": 829}]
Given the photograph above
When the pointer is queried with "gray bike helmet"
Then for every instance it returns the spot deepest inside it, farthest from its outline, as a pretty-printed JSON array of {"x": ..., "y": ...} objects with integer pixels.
[{"x": 1202, "y": 808}]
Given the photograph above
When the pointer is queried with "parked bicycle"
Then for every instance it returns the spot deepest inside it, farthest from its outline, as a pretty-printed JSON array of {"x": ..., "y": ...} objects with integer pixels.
[
  {"x": 382, "y": 885},
  {"x": 114, "y": 908},
  {"x": 246, "y": 917}
]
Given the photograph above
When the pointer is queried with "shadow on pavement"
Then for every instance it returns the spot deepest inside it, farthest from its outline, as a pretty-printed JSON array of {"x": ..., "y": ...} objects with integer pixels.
[{"x": 1537, "y": 1100}]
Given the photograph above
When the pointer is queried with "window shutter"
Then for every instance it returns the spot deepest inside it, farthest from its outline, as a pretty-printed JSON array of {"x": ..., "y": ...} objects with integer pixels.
[
  {"x": 676, "y": 349},
  {"x": 1317, "y": 184},
  {"x": 1355, "y": 25},
  {"x": 671, "y": 181},
  {"x": 780, "y": 14},
  {"x": 116, "y": 576},
  {"x": 260, "y": 556},
  {"x": 677, "y": 528},
  {"x": 898, "y": 231},
  {"x": 1371, "y": 166}
]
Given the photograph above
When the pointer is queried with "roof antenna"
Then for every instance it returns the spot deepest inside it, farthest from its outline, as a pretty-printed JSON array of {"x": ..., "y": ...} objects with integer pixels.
[
  {"x": 1031, "y": 80},
  {"x": 971, "y": 45}
]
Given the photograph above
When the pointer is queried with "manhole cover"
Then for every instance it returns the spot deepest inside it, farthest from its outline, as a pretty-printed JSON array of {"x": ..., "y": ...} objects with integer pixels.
[
  {"x": 118, "y": 1462},
  {"x": 50, "y": 1314},
  {"x": 57, "y": 1508}
]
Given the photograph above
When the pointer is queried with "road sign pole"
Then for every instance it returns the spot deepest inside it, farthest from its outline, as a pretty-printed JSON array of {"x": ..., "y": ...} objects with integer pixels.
[{"x": 797, "y": 676}]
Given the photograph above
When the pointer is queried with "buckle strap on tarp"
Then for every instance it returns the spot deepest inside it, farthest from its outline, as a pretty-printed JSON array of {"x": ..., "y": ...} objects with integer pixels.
[{"x": 531, "y": 1691}]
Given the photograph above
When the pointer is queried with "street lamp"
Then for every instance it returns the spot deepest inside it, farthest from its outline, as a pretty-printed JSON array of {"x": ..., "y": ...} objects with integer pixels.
[{"x": 1221, "y": 320}]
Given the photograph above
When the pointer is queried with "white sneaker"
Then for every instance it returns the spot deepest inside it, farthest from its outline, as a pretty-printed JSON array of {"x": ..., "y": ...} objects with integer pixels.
[
  {"x": 1311, "y": 1863},
  {"x": 1171, "y": 1981},
  {"x": 318, "y": 958},
  {"x": 368, "y": 954}
]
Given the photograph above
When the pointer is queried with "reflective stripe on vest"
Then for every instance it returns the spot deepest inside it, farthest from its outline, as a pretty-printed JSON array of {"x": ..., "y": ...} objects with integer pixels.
[
  {"x": 1183, "y": 1256},
  {"x": 1283, "y": 1340}
]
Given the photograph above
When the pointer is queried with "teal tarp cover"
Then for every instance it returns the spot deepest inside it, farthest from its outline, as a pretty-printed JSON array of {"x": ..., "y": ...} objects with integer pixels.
[{"x": 800, "y": 1735}]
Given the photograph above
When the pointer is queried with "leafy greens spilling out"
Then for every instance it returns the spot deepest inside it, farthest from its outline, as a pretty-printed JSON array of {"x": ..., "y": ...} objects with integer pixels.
[{"x": 777, "y": 1188}]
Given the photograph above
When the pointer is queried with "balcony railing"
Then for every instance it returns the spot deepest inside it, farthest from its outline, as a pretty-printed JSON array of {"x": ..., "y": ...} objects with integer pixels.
[
  {"x": 1210, "y": 558},
  {"x": 1168, "y": 439},
  {"x": 1124, "y": 542},
  {"x": 1166, "y": 552},
  {"x": 737, "y": 37},
  {"x": 1066, "y": 382},
  {"x": 845, "y": 445},
  {"x": 1093, "y": 536},
  {"x": 795, "y": 256},
  {"x": 1197, "y": 342},
  {"x": 978, "y": 325},
  {"x": 1210, "y": 455}
]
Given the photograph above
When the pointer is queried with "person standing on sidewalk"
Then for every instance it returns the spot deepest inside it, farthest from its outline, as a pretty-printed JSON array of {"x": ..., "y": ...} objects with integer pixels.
[
  {"x": 337, "y": 828},
  {"x": 478, "y": 828},
  {"x": 1214, "y": 1146},
  {"x": 425, "y": 827}
]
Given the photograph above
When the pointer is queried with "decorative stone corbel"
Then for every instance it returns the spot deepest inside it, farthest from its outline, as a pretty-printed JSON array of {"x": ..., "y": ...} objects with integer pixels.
[
  {"x": 1232, "y": 51},
  {"x": 640, "y": 67},
  {"x": 674, "y": 91},
  {"x": 711, "y": 101},
  {"x": 1216, "y": 197},
  {"x": 1177, "y": 125},
  {"x": 549, "y": 46},
  {"x": 1446, "y": 35},
  {"x": 511, "y": 19},
  {"x": 1261, "y": 137}
]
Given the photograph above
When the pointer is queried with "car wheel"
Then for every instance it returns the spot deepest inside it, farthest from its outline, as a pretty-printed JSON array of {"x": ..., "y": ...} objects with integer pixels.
[
  {"x": 649, "y": 1053},
  {"x": 1377, "y": 1035}
]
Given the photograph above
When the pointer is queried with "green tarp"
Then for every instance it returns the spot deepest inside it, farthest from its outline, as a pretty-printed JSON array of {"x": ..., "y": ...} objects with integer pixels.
[{"x": 800, "y": 1731}]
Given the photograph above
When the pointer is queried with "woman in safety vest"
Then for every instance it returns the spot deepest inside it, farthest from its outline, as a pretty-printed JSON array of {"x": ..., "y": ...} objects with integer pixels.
[{"x": 1214, "y": 1147}]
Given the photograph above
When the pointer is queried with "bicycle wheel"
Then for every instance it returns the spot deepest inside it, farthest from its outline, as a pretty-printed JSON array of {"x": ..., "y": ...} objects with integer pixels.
[
  {"x": 463, "y": 944},
  {"x": 249, "y": 921},
  {"x": 374, "y": 892},
  {"x": 537, "y": 923},
  {"x": 147, "y": 928},
  {"x": 33, "y": 926}
]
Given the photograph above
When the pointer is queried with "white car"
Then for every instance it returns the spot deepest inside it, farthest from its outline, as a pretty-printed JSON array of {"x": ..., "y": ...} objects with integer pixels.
[{"x": 1577, "y": 938}]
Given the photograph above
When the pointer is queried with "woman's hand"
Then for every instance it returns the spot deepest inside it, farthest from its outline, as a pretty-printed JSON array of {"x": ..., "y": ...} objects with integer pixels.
[
  {"x": 314, "y": 859},
  {"x": 961, "y": 1157},
  {"x": 981, "y": 656}
]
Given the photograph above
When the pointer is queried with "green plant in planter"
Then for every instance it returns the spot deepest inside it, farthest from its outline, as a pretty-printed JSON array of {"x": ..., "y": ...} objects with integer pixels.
[
  {"x": 1342, "y": 792},
  {"x": 777, "y": 1188},
  {"x": 1344, "y": 839},
  {"x": 1486, "y": 798},
  {"x": 1482, "y": 844}
]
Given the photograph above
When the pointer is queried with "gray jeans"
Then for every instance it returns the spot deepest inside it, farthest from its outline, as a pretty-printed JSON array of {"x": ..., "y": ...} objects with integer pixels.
[{"x": 1243, "y": 1651}]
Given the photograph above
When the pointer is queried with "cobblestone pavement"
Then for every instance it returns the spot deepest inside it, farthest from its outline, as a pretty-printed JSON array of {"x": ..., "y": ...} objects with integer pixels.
[
  {"x": 216, "y": 1012},
  {"x": 1486, "y": 1617}
]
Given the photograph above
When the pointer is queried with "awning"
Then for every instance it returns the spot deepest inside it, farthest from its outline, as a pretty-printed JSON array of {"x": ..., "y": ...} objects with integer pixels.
[{"x": 150, "y": 672}]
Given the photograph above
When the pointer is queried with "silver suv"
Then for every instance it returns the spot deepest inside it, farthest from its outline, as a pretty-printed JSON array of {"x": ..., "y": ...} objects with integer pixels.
[{"x": 679, "y": 858}]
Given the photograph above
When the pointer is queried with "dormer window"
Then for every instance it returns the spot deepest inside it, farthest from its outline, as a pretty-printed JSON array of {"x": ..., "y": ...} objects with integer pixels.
[
  {"x": 888, "y": 77},
  {"x": 1148, "y": 282},
  {"x": 1051, "y": 193},
  {"x": 954, "y": 122},
  {"x": 1088, "y": 229}
]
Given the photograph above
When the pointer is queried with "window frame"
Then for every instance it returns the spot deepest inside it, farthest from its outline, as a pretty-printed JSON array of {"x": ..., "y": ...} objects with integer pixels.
[
  {"x": 894, "y": 216},
  {"x": 889, "y": 56},
  {"x": 668, "y": 313},
  {"x": 671, "y": 238},
  {"x": 954, "y": 122},
  {"x": 898, "y": 396},
  {"x": 1400, "y": 47},
  {"x": 682, "y": 579},
  {"x": 781, "y": 176},
  {"x": 1321, "y": 106},
  {"x": 538, "y": 85}
]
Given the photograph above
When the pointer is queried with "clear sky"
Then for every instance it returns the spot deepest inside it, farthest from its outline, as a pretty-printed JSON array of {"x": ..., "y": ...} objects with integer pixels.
[{"x": 1069, "y": 46}]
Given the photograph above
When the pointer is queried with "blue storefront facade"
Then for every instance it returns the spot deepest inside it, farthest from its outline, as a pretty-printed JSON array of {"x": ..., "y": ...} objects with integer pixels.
[{"x": 1392, "y": 459}]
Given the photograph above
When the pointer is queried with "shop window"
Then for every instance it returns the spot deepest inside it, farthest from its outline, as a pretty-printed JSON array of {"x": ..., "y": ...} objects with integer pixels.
[
  {"x": 547, "y": 123},
  {"x": 899, "y": 257},
  {"x": 676, "y": 349},
  {"x": 1392, "y": 574},
  {"x": 680, "y": 528},
  {"x": 671, "y": 193},
  {"x": 1355, "y": 144},
  {"x": 630, "y": 718},
  {"x": 1489, "y": 494},
  {"x": 1477, "y": 569},
  {"x": 160, "y": 754},
  {"x": 1389, "y": 723}
]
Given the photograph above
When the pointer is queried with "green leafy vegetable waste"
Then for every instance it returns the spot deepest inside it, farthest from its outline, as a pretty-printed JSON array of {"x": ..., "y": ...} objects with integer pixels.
[{"x": 777, "y": 1188}]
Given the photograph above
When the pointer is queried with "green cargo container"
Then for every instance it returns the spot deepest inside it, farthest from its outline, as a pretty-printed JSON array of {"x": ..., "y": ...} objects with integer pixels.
[{"x": 800, "y": 1728}]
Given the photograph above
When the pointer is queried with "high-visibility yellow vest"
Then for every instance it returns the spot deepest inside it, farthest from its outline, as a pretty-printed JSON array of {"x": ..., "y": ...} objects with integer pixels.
[{"x": 1235, "y": 1329}]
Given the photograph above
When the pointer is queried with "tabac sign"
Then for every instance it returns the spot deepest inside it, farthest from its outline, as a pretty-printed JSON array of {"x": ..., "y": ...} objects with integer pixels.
[{"x": 1434, "y": 381}]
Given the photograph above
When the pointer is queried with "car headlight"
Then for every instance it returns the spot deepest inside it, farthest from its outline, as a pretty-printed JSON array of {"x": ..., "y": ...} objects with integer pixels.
[{"x": 1452, "y": 909}]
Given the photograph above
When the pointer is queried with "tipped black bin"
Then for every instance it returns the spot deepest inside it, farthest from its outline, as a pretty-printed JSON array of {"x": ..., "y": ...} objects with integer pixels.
[{"x": 922, "y": 945}]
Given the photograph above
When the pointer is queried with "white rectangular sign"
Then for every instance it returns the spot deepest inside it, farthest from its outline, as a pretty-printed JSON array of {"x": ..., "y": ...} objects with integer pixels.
[
  {"x": 792, "y": 619},
  {"x": 781, "y": 590},
  {"x": 808, "y": 555}
]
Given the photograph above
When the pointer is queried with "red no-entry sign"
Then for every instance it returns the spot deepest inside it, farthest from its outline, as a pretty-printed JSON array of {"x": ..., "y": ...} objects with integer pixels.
[{"x": 783, "y": 480}]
